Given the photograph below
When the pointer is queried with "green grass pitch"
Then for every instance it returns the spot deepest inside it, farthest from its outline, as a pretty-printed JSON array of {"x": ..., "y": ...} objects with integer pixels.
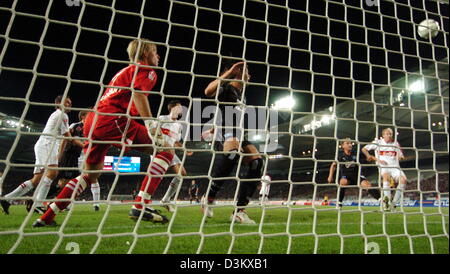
[{"x": 283, "y": 230}]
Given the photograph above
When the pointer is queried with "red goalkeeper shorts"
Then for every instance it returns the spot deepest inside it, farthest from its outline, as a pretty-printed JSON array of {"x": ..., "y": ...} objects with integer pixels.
[{"x": 115, "y": 129}]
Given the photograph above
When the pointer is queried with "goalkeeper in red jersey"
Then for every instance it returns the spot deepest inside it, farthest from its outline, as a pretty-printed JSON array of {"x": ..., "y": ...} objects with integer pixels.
[{"x": 111, "y": 125}]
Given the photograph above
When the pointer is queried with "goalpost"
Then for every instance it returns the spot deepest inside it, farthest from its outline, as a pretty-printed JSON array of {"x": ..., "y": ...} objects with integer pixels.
[{"x": 321, "y": 72}]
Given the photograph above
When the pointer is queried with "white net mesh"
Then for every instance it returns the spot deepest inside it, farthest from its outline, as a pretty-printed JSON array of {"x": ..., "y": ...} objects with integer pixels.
[{"x": 321, "y": 72}]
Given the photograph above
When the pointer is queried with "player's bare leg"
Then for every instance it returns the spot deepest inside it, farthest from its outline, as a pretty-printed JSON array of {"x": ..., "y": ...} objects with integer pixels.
[
  {"x": 173, "y": 186},
  {"x": 386, "y": 191},
  {"x": 398, "y": 197},
  {"x": 372, "y": 191}
]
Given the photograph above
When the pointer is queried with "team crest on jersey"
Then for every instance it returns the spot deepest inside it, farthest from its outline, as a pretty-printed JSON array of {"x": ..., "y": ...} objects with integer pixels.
[{"x": 151, "y": 75}]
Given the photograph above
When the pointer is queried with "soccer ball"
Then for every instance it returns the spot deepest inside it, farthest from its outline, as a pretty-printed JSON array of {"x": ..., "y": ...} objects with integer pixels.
[{"x": 428, "y": 27}]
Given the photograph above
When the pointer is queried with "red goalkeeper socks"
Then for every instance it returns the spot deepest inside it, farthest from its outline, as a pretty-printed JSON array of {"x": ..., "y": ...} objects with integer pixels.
[
  {"x": 157, "y": 167},
  {"x": 66, "y": 193}
]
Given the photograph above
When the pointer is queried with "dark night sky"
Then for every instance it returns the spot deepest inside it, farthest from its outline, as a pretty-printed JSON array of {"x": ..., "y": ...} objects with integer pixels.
[{"x": 311, "y": 72}]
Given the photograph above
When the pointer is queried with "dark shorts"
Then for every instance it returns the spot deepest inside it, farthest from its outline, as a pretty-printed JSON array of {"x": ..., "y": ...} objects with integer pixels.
[
  {"x": 229, "y": 133},
  {"x": 353, "y": 179},
  {"x": 69, "y": 160}
]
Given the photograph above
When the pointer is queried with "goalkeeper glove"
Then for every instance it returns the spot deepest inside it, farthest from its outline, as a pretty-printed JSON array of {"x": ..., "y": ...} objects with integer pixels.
[{"x": 154, "y": 132}]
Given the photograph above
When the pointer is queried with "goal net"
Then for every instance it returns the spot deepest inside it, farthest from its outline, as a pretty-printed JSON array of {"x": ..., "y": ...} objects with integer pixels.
[{"x": 321, "y": 73}]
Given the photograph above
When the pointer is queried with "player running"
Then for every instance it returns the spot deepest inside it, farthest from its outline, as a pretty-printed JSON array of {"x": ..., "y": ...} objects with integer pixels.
[
  {"x": 348, "y": 172},
  {"x": 230, "y": 139},
  {"x": 172, "y": 132},
  {"x": 131, "y": 84},
  {"x": 46, "y": 150},
  {"x": 388, "y": 154}
]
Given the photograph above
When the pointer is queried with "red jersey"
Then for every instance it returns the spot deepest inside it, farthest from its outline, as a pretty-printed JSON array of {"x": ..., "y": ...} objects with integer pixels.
[{"x": 116, "y": 100}]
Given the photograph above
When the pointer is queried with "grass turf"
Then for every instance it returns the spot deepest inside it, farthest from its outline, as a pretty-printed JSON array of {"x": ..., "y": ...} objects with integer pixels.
[{"x": 283, "y": 230}]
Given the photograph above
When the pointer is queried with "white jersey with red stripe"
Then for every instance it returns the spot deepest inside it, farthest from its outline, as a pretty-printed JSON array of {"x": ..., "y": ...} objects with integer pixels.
[
  {"x": 388, "y": 152},
  {"x": 57, "y": 125},
  {"x": 171, "y": 131}
]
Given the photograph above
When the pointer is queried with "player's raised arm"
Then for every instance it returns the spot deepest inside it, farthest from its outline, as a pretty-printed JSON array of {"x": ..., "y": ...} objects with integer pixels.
[{"x": 231, "y": 73}]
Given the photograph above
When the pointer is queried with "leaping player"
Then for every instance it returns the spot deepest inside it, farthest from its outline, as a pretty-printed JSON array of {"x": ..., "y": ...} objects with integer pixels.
[
  {"x": 388, "y": 154},
  {"x": 348, "y": 172},
  {"x": 130, "y": 85},
  {"x": 228, "y": 94},
  {"x": 47, "y": 151},
  {"x": 172, "y": 131}
]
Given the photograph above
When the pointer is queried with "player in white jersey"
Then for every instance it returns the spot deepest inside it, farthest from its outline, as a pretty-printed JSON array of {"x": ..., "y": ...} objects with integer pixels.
[
  {"x": 47, "y": 151},
  {"x": 171, "y": 131},
  {"x": 265, "y": 189},
  {"x": 388, "y": 155}
]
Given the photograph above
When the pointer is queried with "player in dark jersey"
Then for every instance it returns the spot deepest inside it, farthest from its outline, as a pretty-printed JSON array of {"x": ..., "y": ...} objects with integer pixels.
[
  {"x": 71, "y": 157},
  {"x": 230, "y": 138},
  {"x": 348, "y": 172},
  {"x": 72, "y": 151},
  {"x": 193, "y": 192}
]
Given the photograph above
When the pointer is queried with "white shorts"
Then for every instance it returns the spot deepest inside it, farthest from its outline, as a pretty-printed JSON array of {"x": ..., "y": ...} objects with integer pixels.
[
  {"x": 265, "y": 189},
  {"x": 395, "y": 173},
  {"x": 175, "y": 160},
  {"x": 45, "y": 155}
]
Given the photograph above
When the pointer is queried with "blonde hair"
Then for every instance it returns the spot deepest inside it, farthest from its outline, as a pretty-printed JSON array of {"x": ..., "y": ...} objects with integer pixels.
[
  {"x": 143, "y": 45},
  {"x": 386, "y": 129}
]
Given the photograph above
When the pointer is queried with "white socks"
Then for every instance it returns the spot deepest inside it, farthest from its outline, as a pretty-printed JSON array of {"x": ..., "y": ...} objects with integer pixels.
[
  {"x": 398, "y": 193},
  {"x": 173, "y": 186},
  {"x": 21, "y": 190},
  {"x": 95, "y": 189},
  {"x": 42, "y": 190}
]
